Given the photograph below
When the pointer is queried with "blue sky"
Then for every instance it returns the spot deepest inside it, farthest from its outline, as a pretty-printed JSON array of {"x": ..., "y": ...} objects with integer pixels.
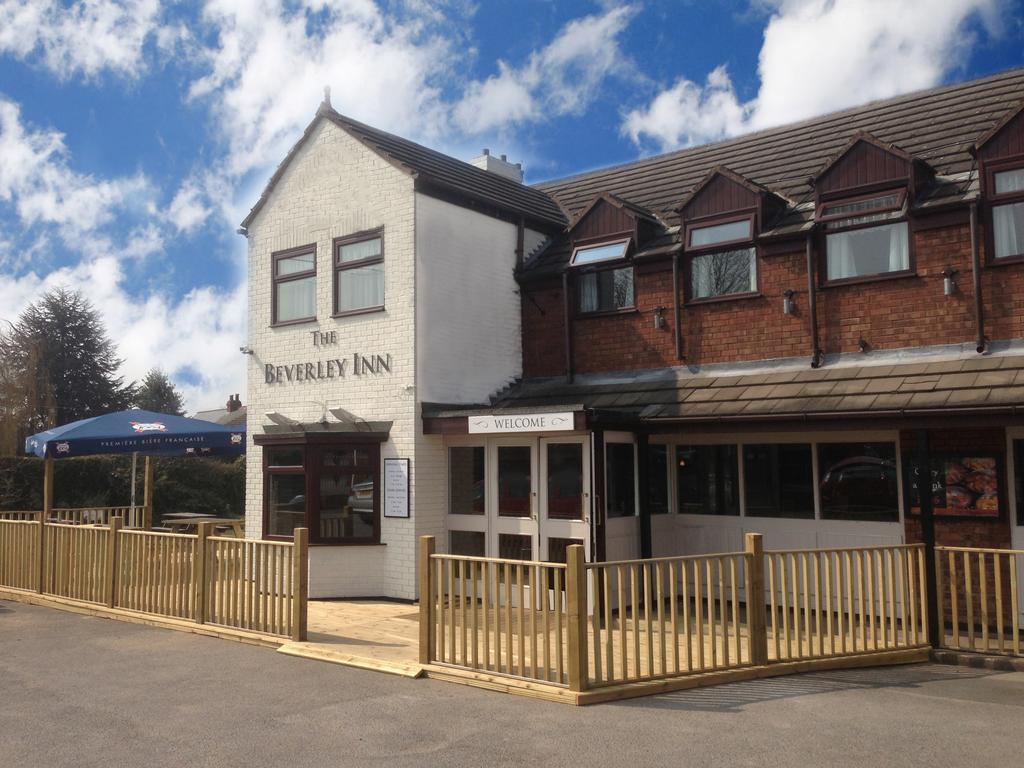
[{"x": 134, "y": 134}]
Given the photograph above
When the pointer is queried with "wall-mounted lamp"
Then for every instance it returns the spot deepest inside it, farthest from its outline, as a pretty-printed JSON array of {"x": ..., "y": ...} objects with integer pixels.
[
  {"x": 659, "y": 318},
  {"x": 949, "y": 280},
  {"x": 788, "y": 306},
  {"x": 246, "y": 350},
  {"x": 863, "y": 345}
]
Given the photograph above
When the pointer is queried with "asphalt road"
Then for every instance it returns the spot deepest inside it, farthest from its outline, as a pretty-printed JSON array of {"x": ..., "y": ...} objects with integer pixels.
[{"x": 80, "y": 691}]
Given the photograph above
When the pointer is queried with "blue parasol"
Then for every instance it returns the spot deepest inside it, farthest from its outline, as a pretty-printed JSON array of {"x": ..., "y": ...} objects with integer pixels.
[{"x": 136, "y": 431}]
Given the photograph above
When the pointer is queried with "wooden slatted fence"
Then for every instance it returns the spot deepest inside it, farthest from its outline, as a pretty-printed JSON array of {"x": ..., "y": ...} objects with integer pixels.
[
  {"x": 19, "y": 554},
  {"x": 829, "y": 602},
  {"x": 131, "y": 517},
  {"x": 257, "y": 586},
  {"x": 980, "y": 599},
  {"x": 504, "y": 616},
  {"x": 664, "y": 617},
  {"x": 22, "y": 515}
]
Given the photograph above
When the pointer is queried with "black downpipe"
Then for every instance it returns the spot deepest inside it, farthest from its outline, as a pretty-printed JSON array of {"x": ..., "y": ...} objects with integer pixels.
[
  {"x": 568, "y": 326},
  {"x": 924, "y": 494},
  {"x": 644, "y": 483},
  {"x": 979, "y": 309},
  {"x": 676, "y": 319},
  {"x": 812, "y": 301}
]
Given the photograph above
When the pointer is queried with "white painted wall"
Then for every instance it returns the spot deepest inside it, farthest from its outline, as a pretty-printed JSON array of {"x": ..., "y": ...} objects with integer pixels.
[
  {"x": 468, "y": 312},
  {"x": 335, "y": 186}
]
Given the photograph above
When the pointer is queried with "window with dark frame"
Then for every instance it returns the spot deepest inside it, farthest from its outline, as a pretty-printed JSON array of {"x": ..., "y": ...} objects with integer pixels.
[
  {"x": 359, "y": 273},
  {"x": 657, "y": 477},
  {"x": 331, "y": 489},
  {"x": 866, "y": 236},
  {"x": 722, "y": 258},
  {"x": 1007, "y": 198},
  {"x": 606, "y": 290},
  {"x": 293, "y": 285}
]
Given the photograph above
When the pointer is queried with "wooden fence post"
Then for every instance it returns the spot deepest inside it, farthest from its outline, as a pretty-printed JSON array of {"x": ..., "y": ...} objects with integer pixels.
[
  {"x": 43, "y": 517},
  {"x": 300, "y": 584},
  {"x": 147, "y": 495},
  {"x": 427, "y": 620},
  {"x": 757, "y": 635},
  {"x": 199, "y": 572},
  {"x": 112, "y": 564},
  {"x": 576, "y": 597}
]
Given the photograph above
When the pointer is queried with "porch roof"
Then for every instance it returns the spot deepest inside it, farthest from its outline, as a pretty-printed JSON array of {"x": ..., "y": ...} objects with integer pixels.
[{"x": 968, "y": 386}]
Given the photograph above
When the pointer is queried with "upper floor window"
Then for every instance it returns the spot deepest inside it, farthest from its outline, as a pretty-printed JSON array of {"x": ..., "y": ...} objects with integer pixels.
[
  {"x": 359, "y": 273},
  {"x": 725, "y": 260},
  {"x": 592, "y": 254},
  {"x": 866, "y": 236},
  {"x": 294, "y": 285},
  {"x": 607, "y": 290},
  {"x": 1008, "y": 213},
  {"x": 608, "y": 285}
]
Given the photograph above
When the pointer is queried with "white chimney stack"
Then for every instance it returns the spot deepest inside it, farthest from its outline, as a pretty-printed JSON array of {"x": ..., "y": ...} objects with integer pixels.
[{"x": 500, "y": 166}]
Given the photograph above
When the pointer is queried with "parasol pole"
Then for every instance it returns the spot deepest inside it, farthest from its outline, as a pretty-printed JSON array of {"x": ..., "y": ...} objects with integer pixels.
[{"x": 135, "y": 462}]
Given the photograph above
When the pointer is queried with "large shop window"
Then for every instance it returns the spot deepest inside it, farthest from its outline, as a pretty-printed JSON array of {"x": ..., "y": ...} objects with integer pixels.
[
  {"x": 333, "y": 490},
  {"x": 707, "y": 479},
  {"x": 1008, "y": 214},
  {"x": 620, "y": 479},
  {"x": 294, "y": 286},
  {"x": 858, "y": 481},
  {"x": 778, "y": 480},
  {"x": 359, "y": 273},
  {"x": 466, "y": 473},
  {"x": 866, "y": 237},
  {"x": 608, "y": 290}
]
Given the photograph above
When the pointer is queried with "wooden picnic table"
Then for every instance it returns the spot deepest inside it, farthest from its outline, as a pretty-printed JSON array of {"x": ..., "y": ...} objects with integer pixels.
[
  {"x": 184, "y": 515},
  {"x": 181, "y": 525}
]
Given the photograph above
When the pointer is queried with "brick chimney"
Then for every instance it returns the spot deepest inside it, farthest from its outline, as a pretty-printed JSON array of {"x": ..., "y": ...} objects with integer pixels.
[{"x": 234, "y": 403}]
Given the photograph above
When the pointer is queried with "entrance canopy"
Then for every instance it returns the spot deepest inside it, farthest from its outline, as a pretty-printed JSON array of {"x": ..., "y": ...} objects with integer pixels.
[{"x": 136, "y": 431}]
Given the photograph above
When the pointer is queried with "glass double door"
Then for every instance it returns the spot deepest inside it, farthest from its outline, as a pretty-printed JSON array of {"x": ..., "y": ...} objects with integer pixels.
[{"x": 536, "y": 497}]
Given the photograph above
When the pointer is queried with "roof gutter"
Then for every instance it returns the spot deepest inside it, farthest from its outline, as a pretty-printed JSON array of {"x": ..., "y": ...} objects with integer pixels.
[{"x": 898, "y": 413}]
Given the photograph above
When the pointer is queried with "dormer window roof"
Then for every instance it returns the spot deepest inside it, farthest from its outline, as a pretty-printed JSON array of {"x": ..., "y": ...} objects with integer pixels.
[{"x": 600, "y": 252}]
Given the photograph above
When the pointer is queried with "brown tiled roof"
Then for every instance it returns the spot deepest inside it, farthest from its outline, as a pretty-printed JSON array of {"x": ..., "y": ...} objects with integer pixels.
[
  {"x": 843, "y": 391},
  {"x": 436, "y": 172},
  {"x": 937, "y": 126}
]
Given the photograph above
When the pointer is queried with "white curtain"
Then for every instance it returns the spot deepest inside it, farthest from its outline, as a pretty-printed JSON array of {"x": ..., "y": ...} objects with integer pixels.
[
  {"x": 361, "y": 287},
  {"x": 296, "y": 299},
  {"x": 1008, "y": 229},
  {"x": 871, "y": 251},
  {"x": 588, "y": 292}
]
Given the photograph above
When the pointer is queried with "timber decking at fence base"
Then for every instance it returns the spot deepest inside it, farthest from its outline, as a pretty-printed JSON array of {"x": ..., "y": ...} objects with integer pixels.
[
  {"x": 538, "y": 690},
  {"x": 318, "y": 653},
  {"x": 134, "y": 617}
]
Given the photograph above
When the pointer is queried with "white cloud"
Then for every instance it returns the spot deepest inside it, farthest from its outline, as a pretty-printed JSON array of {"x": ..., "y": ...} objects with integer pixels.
[
  {"x": 87, "y": 37},
  {"x": 819, "y": 56},
  {"x": 37, "y": 181},
  {"x": 559, "y": 79},
  {"x": 188, "y": 210},
  {"x": 200, "y": 333}
]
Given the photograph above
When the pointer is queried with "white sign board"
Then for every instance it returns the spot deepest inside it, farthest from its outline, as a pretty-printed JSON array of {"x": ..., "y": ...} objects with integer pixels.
[
  {"x": 396, "y": 487},
  {"x": 522, "y": 422}
]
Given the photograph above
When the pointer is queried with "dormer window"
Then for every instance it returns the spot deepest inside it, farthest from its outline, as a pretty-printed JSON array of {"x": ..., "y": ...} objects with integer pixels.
[
  {"x": 592, "y": 254},
  {"x": 723, "y": 260},
  {"x": 866, "y": 236},
  {"x": 1008, "y": 214},
  {"x": 600, "y": 288}
]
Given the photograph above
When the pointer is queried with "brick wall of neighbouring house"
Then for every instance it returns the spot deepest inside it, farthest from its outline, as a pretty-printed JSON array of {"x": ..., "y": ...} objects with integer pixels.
[{"x": 887, "y": 314}]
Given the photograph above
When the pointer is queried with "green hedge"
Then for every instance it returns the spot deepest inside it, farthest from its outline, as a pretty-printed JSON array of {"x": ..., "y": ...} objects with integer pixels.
[{"x": 207, "y": 485}]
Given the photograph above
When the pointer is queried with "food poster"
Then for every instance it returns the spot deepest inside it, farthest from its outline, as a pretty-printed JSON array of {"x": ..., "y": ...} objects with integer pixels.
[{"x": 962, "y": 486}]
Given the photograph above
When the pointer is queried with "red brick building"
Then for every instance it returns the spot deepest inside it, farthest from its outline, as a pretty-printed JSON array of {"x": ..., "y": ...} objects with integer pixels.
[{"x": 780, "y": 333}]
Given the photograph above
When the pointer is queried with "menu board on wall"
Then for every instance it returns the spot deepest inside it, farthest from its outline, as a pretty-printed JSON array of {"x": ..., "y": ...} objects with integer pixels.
[
  {"x": 961, "y": 486},
  {"x": 396, "y": 487}
]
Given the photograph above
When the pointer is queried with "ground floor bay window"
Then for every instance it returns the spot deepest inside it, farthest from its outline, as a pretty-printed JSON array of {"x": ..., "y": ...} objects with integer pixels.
[{"x": 330, "y": 487}]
